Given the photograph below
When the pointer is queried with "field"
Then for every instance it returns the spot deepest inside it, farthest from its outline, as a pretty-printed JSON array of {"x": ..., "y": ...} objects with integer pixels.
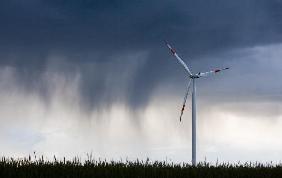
[{"x": 39, "y": 168}]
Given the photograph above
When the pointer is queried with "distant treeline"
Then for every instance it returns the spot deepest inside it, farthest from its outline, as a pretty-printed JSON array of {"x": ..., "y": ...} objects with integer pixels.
[{"x": 40, "y": 168}]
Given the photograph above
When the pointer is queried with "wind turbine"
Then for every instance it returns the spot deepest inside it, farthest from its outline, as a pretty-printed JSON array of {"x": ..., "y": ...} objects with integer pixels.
[{"x": 192, "y": 78}]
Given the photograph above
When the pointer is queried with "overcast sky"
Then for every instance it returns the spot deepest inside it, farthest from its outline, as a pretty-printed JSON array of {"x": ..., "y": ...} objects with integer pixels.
[{"x": 95, "y": 76}]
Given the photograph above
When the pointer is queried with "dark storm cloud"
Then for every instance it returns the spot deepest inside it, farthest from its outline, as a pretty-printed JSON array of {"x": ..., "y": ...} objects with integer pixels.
[
  {"x": 135, "y": 24},
  {"x": 94, "y": 33}
]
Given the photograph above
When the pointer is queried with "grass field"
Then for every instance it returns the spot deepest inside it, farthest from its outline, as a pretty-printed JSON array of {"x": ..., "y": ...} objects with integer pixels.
[{"x": 39, "y": 168}]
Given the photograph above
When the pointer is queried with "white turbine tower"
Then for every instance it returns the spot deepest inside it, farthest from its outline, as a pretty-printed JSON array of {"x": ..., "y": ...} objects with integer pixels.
[{"x": 193, "y": 78}]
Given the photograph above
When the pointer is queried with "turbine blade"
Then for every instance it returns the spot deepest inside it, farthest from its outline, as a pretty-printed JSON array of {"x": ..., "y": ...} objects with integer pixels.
[
  {"x": 204, "y": 74},
  {"x": 185, "y": 99},
  {"x": 178, "y": 58}
]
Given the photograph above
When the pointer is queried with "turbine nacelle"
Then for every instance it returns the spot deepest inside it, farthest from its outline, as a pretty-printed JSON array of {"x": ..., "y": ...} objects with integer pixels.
[{"x": 194, "y": 76}]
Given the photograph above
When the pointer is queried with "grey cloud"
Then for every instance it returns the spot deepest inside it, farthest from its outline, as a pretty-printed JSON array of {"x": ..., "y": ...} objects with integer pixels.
[
  {"x": 64, "y": 61},
  {"x": 110, "y": 25},
  {"x": 88, "y": 33}
]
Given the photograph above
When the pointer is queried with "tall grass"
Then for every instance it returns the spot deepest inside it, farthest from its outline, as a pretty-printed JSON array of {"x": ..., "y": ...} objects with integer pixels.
[{"x": 40, "y": 168}]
